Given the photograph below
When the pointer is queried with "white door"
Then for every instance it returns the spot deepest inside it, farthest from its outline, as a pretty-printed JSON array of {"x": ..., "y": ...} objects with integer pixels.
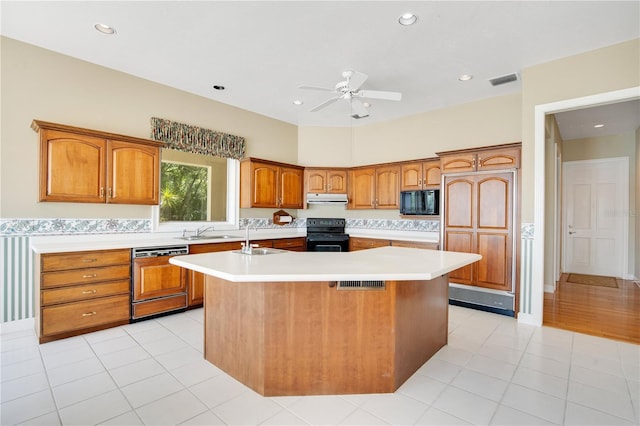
[{"x": 595, "y": 206}]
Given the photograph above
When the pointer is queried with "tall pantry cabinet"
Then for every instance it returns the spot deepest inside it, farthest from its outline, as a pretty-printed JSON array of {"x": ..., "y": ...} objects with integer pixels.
[{"x": 481, "y": 215}]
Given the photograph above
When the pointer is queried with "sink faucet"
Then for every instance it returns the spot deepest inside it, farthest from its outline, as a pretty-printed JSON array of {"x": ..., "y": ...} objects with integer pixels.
[
  {"x": 203, "y": 229},
  {"x": 247, "y": 247}
]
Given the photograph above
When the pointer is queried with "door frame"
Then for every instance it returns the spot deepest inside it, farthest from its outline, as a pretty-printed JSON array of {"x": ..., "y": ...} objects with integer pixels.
[
  {"x": 534, "y": 316},
  {"x": 623, "y": 163}
]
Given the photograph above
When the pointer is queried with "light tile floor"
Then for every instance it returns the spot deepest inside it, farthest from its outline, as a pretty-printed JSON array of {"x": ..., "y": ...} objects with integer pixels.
[{"x": 494, "y": 371}]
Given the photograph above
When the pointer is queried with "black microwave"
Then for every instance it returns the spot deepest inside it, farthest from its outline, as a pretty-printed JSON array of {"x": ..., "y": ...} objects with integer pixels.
[{"x": 421, "y": 202}]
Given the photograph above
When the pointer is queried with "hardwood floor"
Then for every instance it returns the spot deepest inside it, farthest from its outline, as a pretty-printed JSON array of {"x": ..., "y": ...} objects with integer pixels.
[{"x": 600, "y": 311}]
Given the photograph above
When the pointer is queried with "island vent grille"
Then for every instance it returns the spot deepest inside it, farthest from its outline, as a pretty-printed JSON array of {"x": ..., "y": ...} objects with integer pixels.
[{"x": 362, "y": 285}]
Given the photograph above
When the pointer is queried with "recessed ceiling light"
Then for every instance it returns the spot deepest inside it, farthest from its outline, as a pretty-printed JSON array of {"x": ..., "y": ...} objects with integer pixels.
[
  {"x": 105, "y": 29},
  {"x": 218, "y": 87},
  {"x": 465, "y": 77},
  {"x": 298, "y": 102},
  {"x": 407, "y": 19},
  {"x": 597, "y": 126}
]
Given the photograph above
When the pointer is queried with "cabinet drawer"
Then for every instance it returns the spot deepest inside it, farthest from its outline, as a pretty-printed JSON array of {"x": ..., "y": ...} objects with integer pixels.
[
  {"x": 415, "y": 244},
  {"x": 357, "y": 243},
  {"x": 79, "y": 315},
  {"x": 85, "y": 259},
  {"x": 157, "y": 306},
  {"x": 293, "y": 244},
  {"x": 84, "y": 292},
  {"x": 87, "y": 275}
]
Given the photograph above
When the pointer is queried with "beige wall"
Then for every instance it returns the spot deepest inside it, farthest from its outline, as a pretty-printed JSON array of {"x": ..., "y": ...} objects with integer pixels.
[
  {"x": 41, "y": 84},
  {"x": 488, "y": 122},
  {"x": 599, "y": 71}
]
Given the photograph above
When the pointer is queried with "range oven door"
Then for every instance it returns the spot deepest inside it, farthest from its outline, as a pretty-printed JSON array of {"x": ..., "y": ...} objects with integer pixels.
[{"x": 328, "y": 242}]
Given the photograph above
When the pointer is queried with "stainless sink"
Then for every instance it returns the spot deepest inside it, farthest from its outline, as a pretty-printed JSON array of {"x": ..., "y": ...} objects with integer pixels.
[
  {"x": 206, "y": 237},
  {"x": 259, "y": 251}
]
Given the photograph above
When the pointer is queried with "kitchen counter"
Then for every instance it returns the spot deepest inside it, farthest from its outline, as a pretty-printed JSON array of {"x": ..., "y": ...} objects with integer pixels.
[
  {"x": 383, "y": 263},
  {"x": 73, "y": 243},
  {"x": 309, "y": 323}
]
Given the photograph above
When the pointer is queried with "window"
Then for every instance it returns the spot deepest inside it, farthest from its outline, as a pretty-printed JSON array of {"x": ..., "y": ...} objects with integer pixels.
[
  {"x": 184, "y": 192},
  {"x": 196, "y": 190}
]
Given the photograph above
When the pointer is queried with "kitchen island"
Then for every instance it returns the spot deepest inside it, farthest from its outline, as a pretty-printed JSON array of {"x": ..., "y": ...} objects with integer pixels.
[{"x": 305, "y": 323}]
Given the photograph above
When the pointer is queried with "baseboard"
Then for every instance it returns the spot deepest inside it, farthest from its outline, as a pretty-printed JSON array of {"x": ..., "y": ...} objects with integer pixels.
[
  {"x": 475, "y": 306},
  {"x": 529, "y": 319},
  {"x": 549, "y": 288},
  {"x": 18, "y": 325}
]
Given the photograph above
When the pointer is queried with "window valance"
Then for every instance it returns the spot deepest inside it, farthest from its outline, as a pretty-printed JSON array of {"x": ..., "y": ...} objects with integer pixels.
[{"x": 187, "y": 138}]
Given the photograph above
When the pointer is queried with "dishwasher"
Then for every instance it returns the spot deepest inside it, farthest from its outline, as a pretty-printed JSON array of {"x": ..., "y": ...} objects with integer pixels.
[{"x": 157, "y": 287}]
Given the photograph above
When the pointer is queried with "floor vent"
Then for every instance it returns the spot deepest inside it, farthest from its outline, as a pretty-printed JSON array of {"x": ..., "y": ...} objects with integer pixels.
[
  {"x": 497, "y": 81},
  {"x": 361, "y": 285}
]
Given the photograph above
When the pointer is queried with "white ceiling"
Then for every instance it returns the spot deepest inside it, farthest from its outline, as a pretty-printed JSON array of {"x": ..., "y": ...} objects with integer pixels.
[{"x": 261, "y": 51}]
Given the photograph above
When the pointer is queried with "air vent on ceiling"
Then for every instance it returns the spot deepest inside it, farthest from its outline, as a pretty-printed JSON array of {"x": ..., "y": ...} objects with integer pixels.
[
  {"x": 497, "y": 81},
  {"x": 358, "y": 117},
  {"x": 361, "y": 285}
]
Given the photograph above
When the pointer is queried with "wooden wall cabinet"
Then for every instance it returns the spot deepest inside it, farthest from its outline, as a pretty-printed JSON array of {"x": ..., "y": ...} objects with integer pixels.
[
  {"x": 326, "y": 181},
  {"x": 268, "y": 184},
  {"x": 420, "y": 175},
  {"x": 375, "y": 187},
  {"x": 82, "y": 292},
  {"x": 499, "y": 157},
  {"x": 88, "y": 166}
]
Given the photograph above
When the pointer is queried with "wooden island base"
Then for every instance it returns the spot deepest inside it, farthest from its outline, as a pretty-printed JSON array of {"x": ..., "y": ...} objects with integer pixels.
[{"x": 310, "y": 338}]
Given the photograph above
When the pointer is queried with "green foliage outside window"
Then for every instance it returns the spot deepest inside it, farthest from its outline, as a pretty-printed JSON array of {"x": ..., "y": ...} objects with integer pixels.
[{"x": 183, "y": 192}]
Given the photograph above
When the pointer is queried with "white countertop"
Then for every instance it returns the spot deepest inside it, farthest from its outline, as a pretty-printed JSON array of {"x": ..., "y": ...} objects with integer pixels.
[
  {"x": 384, "y": 263},
  {"x": 72, "y": 243}
]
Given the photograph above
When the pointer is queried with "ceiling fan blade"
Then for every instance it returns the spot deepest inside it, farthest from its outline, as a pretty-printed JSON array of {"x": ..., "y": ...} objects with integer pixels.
[
  {"x": 379, "y": 94},
  {"x": 357, "y": 79},
  {"x": 322, "y": 89},
  {"x": 358, "y": 109},
  {"x": 325, "y": 103}
]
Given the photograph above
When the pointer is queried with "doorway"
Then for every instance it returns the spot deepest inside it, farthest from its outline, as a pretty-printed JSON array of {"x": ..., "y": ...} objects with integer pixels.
[{"x": 532, "y": 313}]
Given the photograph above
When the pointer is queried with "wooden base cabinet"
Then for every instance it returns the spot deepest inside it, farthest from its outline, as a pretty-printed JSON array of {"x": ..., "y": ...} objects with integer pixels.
[
  {"x": 82, "y": 292},
  {"x": 195, "y": 280},
  {"x": 360, "y": 243}
]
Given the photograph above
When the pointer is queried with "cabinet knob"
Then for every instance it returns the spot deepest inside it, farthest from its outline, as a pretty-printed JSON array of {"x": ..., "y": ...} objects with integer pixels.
[
  {"x": 92, "y": 291},
  {"x": 93, "y": 259},
  {"x": 88, "y": 314},
  {"x": 101, "y": 191},
  {"x": 89, "y": 275}
]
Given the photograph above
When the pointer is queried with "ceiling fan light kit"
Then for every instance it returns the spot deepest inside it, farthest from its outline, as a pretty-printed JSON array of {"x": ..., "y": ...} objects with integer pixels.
[{"x": 349, "y": 89}]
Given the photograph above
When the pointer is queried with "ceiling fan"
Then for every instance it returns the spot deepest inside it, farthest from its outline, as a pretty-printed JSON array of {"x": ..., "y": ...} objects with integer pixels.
[{"x": 349, "y": 89}]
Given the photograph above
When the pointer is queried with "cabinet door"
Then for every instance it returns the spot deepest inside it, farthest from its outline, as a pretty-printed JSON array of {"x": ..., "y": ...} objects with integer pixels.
[
  {"x": 457, "y": 163},
  {"x": 363, "y": 189},
  {"x": 459, "y": 222},
  {"x": 506, "y": 158},
  {"x": 290, "y": 190},
  {"x": 431, "y": 175},
  {"x": 195, "y": 280},
  {"x": 388, "y": 187},
  {"x": 316, "y": 181},
  {"x": 411, "y": 176},
  {"x": 264, "y": 190},
  {"x": 494, "y": 238},
  {"x": 72, "y": 167},
  {"x": 156, "y": 277},
  {"x": 133, "y": 173},
  {"x": 337, "y": 181}
]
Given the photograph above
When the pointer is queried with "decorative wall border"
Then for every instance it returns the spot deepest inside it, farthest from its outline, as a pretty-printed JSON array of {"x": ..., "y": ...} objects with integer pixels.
[
  {"x": 416, "y": 225},
  {"x": 35, "y": 227}
]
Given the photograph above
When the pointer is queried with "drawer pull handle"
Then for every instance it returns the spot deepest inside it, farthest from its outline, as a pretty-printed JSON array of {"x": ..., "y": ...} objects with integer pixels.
[
  {"x": 88, "y": 314},
  {"x": 89, "y": 275},
  {"x": 90, "y": 260},
  {"x": 90, "y": 291}
]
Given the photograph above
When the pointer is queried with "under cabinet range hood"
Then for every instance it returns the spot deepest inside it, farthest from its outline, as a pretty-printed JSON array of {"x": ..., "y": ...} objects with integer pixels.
[{"x": 316, "y": 198}]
